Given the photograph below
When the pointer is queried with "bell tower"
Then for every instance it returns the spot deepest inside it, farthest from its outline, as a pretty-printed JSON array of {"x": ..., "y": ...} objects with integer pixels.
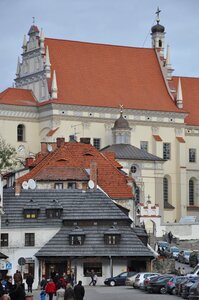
[{"x": 157, "y": 35}]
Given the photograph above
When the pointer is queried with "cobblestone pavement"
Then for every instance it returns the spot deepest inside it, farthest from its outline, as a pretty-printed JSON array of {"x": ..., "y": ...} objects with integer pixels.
[{"x": 116, "y": 293}]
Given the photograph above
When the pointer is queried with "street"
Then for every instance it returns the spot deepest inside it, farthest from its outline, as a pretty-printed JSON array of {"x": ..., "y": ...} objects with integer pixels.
[{"x": 116, "y": 293}]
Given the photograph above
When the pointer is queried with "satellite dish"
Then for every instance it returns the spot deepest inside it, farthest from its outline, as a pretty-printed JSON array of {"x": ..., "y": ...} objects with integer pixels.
[
  {"x": 50, "y": 148},
  {"x": 25, "y": 185},
  {"x": 91, "y": 184},
  {"x": 31, "y": 184}
]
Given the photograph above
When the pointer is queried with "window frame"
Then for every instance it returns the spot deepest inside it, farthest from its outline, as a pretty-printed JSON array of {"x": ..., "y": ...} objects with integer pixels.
[
  {"x": 167, "y": 151},
  {"x": 95, "y": 266},
  {"x": 53, "y": 213},
  {"x": 192, "y": 155},
  {"x": 4, "y": 240},
  {"x": 112, "y": 239},
  {"x": 76, "y": 239},
  {"x": 97, "y": 143},
  {"x": 144, "y": 145},
  {"x": 191, "y": 192},
  {"x": 58, "y": 185},
  {"x": 73, "y": 185},
  {"x": 30, "y": 214},
  {"x": 165, "y": 192},
  {"x": 29, "y": 239},
  {"x": 20, "y": 133}
]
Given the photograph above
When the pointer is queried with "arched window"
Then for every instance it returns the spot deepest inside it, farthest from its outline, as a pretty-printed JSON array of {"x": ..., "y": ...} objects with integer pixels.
[
  {"x": 20, "y": 133},
  {"x": 160, "y": 43},
  {"x": 165, "y": 189},
  {"x": 191, "y": 192}
]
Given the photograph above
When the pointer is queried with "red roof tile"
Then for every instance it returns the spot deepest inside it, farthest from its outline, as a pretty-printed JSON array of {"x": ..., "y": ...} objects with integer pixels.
[
  {"x": 15, "y": 96},
  {"x": 106, "y": 75},
  {"x": 180, "y": 139},
  {"x": 190, "y": 92},
  {"x": 80, "y": 156},
  {"x": 62, "y": 173},
  {"x": 157, "y": 138}
]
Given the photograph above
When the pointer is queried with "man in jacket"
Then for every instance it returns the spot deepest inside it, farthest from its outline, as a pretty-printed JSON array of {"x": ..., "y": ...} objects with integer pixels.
[
  {"x": 29, "y": 281},
  {"x": 79, "y": 291}
]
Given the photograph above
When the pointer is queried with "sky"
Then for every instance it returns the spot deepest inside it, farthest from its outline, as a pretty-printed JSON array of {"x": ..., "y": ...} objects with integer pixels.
[{"x": 117, "y": 22}]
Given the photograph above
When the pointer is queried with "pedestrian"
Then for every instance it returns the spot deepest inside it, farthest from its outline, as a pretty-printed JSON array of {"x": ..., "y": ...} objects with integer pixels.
[
  {"x": 29, "y": 281},
  {"x": 79, "y": 291},
  {"x": 43, "y": 283},
  {"x": 50, "y": 289},
  {"x": 18, "y": 292},
  {"x": 92, "y": 278},
  {"x": 183, "y": 272},
  {"x": 17, "y": 277},
  {"x": 170, "y": 237},
  {"x": 43, "y": 295},
  {"x": 5, "y": 297},
  {"x": 60, "y": 293},
  {"x": 179, "y": 273},
  {"x": 69, "y": 293}
]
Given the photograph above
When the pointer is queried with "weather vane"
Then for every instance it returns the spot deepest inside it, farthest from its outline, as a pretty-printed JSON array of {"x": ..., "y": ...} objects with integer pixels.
[{"x": 121, "y": 108}]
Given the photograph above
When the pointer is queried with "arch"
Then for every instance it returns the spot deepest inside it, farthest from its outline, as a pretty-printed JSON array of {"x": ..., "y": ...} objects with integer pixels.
[
  {"x": 20, "y": 133},
  {"x": 160, "y": 43},
  {"x": 192, "y": 191}
]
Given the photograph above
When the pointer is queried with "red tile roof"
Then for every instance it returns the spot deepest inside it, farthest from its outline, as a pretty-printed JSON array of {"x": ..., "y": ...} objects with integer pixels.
[
  {"x": 107, "y": 75},
  {"x": 180, "y": 139},
  {"x": 62, "y": 173},
  {"x": 190, "y": 92},
  {"x": 15, "y": 96},
  {"x": 157, "y": 138},
  {"x": 77, "y": 155}
]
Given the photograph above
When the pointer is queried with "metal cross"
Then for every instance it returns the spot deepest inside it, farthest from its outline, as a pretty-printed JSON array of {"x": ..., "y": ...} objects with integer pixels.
[
  {"x": 33, "y": 20},
  {"x": 121, "y": 108},
  {"x": 158, "y": 14}
]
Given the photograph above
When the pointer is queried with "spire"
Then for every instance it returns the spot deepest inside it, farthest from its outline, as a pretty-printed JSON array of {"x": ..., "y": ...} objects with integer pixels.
[
  {"x": 54, "y": 86},
  {"x": 168, "y": 64},
  {"x": 42, "y": 41},
  {"x": 18, "y": 68},
  {"x": 47, "y": 64},
  {"x": 179, "y": 97},
  {"x": 24, "y": 47}
]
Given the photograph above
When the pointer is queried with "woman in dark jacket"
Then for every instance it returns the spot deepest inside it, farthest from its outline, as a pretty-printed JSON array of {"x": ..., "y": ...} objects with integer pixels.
[
  {"x": 18, "y": 292},
  {"x": 69, "y": 293}
]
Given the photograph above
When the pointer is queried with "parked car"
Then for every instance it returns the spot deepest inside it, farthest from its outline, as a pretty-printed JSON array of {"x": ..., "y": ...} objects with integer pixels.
[
  {"x": 174, "y": 251},
  {"x": 186, "y": 287},
  {"x": 119, "y": 279},
  {"x": 140, "y": 277},
  {"x": 194, "y": 291},
  {"x": 183, "y": 256},
  {"x": 147, "y": 281},
  {"x": 158, "y": 285},
  {"x": 194, "y": 258},
  {"x": 195, "y": 272},
  {"x": 130, "y": 280},
  {"x": 179, "y": 286},
  {"x": 171, "y": 284},
  {"x": 162, "y": 245}
]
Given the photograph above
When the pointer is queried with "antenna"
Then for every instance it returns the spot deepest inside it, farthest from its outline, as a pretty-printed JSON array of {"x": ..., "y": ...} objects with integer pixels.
[
  {"x": 91, "y": 184},
  {"x": 25, "y": 185},
  {"x": 31, "y": 184},
  {"x": 50, "y": 148}
]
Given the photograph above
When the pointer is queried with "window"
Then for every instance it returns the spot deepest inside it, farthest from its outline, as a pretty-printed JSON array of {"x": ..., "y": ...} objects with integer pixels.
[
  {"x": 76, "y": 239},
  {"x": 4, "y": 240},
  {"x": 30, "y": 214},
  {"x": 20, "y": 133},
  {"x": 166, "y": 151},
  {"x": 133, "y": 169},
  {"x": 165, "y": 189},
  {"x": 112, "y": 239},
  {"x": 191, "y": 192},
  {"x": 71, "y": 185},
  {"x": 29, "y": 239},
  {"x": 95, "y": 266},
  {"x": 97, "y": 143},
  {"x": 192, "y": 155},
  {"x": 58, "y": 186},
  {"x": 144, "y": 145},
  {"x": 53, "y": 213}
]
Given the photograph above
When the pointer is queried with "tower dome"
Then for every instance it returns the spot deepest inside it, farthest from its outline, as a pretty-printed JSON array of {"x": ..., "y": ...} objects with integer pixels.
[
  {"x": 121, "y": 130},
  {"x": 121, "y": 123},
  {"x": 157, "y": 28}
]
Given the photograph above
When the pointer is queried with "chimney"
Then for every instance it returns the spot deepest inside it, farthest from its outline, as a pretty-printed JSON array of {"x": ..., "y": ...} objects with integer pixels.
[
  {"x": 60, "y": 142},
  {"x": 93, "y": 173},
  {"x": 85, "y": 140},
  {"x": 29, "y": 161},
  {"x": 17, "y": 189},
  {"x": 72, "y": 138},
  {"x": 44, "y": 148}
]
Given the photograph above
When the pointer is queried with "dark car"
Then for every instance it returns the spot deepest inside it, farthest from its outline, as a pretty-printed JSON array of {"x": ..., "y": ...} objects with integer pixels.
[
  {"x": 186, "y": 287},
  {"x": 194, "y": 291},
  {"x": 171, "y": 284},
  {"x": 147, "y": 281},
  {"x": 158, "y": 284},
  {"x": 119, "y": 279},
  {"x": 183, "y": 256},
  {"x": 174, "y": 251},
  {"x": 179, "y": 286},
  {"x": 194, "y": 258}
]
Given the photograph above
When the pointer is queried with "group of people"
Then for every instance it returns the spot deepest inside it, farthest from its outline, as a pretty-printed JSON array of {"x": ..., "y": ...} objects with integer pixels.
[
  {"x": 16, "y": 291},
  {"x": 64, "y": 293},
  {"x": 181, "y": 271}
]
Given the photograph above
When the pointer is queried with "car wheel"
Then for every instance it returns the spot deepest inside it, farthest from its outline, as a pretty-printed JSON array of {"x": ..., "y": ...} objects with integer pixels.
[
  {"x": 173, "y": 291},
  {"x": 112, "y": 283},
  {"x": 163, "y": 290}
]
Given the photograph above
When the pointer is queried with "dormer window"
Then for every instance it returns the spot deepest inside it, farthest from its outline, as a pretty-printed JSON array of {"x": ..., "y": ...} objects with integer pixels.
[
  {"x": 31, "y": 210},
  {"x": 112, "y": 236},
  {"x": 76, "y": 236},
  {"x": 54, "y": 210}
]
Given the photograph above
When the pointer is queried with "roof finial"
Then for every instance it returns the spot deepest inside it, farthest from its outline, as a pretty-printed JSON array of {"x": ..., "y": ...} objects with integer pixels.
[
  {"x": 158, "y": 15},
  {"x": 33, "y": 20},
  {"x": 121, "y": 108}
]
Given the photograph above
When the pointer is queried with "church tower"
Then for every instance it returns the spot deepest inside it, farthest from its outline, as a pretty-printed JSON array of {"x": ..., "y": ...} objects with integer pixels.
[
  {"x": 157, "y": 35},
  {"x": 121, "y": 130},
  {"x": 34, "y": 69}
]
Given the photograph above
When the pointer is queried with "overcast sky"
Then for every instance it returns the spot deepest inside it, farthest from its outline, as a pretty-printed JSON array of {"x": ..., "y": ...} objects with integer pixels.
[{"x": 118, "y": 22}]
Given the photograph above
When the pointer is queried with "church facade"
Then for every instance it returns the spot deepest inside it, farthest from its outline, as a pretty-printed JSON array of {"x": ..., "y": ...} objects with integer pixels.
[{"x": 65, "y": 88}]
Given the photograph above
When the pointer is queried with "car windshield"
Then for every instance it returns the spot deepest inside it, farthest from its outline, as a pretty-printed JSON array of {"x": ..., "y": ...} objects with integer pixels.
[
  {"x": 187, "y": 252},
  {"x": 174, "y": 250}
]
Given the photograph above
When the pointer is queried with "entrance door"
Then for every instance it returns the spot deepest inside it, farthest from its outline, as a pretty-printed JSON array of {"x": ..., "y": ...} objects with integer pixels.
[{"x": 51, "y": 268}]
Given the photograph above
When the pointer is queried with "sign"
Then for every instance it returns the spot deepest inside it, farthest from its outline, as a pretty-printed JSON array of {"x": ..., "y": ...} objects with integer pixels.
[
  {"x": 21, "y": 261},
  {"x": 5, "y": 265}
]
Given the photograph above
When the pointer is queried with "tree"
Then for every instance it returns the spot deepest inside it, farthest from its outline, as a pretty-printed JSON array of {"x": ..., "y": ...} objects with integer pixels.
[{"x": 7, "y": 156}]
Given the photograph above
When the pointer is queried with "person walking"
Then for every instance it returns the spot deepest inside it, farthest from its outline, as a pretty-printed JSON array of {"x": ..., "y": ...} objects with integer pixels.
[
  {"x": 18, "y": 292},
  {"x": 79, "y": 291},
  {"x": 92, "y": 278},
  {"x": 29, "y": 281},
  {"x": 17, "y": 277},
  {"x": 60, "y": 293},
  {"x": 69, "y": 293},
  {"x": 50, "y": 289}
]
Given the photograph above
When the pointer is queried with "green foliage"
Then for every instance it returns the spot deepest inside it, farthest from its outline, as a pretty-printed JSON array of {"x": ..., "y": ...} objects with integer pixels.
[{"x": 7, "y": 156}]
